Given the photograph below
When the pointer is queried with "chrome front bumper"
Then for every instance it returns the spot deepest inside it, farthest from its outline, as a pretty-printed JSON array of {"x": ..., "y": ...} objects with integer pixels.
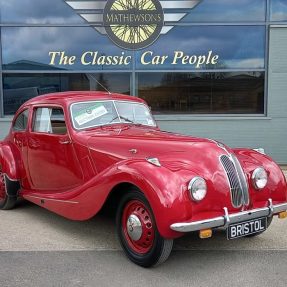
[{"x": 228, "y": 219}]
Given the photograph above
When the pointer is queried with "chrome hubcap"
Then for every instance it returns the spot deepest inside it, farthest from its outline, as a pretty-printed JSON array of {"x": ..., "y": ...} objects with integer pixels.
[{"x": 134, "y": 227}]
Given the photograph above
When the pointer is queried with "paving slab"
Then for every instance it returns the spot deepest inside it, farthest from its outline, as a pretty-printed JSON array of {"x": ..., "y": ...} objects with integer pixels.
[{"x": 32, "y": 228}]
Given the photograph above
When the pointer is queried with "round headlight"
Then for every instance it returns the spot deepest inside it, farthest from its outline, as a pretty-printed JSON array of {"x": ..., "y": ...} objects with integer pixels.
[
  {"x": 197, "y": 188},
  {"x": 259, "y": 178}
]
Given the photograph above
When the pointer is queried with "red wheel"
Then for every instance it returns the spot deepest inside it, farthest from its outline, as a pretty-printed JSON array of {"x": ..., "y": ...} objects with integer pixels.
[
  {"x": 138, "y": 233},
  {"x": 138, "y": 227},
  {"x": 3, "y": 194}
]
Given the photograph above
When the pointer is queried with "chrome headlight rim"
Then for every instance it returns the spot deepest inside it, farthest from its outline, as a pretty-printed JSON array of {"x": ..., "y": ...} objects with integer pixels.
[
  {"x": 255, "y": 178},
  {"x": 192, "y": 191}
]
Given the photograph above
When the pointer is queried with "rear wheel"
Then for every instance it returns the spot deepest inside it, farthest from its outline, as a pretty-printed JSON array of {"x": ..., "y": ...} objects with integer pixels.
[
  {"x": 6, "y": 201},
  {"x": 138, "y": 233}
]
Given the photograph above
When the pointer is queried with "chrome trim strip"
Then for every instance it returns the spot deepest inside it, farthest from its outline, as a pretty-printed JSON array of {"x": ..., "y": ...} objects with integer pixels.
[
  {"x": 228, "y": 219},
  {"x": 235, "y": 185},
  {"x": 242, "y": 179},
  {"x": 50, "y": 199}
]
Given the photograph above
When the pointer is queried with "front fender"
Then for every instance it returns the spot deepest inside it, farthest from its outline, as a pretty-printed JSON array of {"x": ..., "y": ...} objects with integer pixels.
[
  {"x": 165, "y": 191},
  {"x": 276, "y": 188}
]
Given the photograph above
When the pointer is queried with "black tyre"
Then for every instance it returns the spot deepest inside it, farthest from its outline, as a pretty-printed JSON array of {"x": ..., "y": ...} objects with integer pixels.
[
  {"x": 269, "y": 220},
  {"x": 137, "y": 231},
  {"x": 6, "y": 201}
]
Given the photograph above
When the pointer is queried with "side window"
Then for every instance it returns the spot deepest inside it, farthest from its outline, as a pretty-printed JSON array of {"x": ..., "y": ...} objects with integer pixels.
[
  {"x": 21, "y": 122},
  {"x": 49, "y": 120}
]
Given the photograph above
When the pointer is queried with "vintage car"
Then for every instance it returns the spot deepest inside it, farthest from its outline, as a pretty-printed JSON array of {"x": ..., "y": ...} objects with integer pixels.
[{"x": 75, "y": 153}]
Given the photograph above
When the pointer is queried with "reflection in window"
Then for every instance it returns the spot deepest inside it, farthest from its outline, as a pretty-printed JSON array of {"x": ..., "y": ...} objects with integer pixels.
[
  {"x": 37, "y": 12},
  {"x": 21, "y": 122},
  {"x": 50, "y": 120},
  {"x": 28, "y": 48},
  {"x": 227, "y": 11},
  {"x": 278, "y": 10},
  {"x": 240, "y": 47},
  {"x": 18, "y": 88},
  {"x": 203, "y": 93}
]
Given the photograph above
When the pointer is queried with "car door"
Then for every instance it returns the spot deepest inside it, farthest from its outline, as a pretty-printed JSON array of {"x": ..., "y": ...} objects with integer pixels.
[{"x": 53, "y": 164}]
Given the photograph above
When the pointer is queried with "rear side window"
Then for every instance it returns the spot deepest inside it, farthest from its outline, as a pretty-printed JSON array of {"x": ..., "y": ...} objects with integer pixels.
[
  {"x": 49, "y": 120},
  {"x": 21, "y": 121}
]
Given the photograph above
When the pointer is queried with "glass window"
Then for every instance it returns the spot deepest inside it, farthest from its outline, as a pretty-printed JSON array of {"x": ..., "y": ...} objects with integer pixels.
[
  {"x": 51, "y": 48},
  {"x": 278, "y": 10},
  {"x": 18, "y": 88},
  {"x": 92, "y": 114},
  {"x": 49, "y": 120},
  {"x": 134, "y": 113},
  {"x": 193, "y": 47},
  {"x": 37, "y": 12},
  {"x": 21, "y": 122},
  {"x": 42, "y": 121},
  {"x": 226, "y": 11},
  {"x": 203, "y": 93}
]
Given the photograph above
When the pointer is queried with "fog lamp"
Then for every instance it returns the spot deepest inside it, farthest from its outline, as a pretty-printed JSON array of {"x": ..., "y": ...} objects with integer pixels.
[
  {"x": 282, "y": 215},
  {"x": 206, "y": 233}
]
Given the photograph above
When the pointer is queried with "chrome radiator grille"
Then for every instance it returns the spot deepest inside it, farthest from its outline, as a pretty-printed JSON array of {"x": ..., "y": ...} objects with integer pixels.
[{"x": 237, "y": 180}]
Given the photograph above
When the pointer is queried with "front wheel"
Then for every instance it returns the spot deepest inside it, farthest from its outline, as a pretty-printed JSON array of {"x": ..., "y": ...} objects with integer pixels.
[{"x": 137, "y": 231}]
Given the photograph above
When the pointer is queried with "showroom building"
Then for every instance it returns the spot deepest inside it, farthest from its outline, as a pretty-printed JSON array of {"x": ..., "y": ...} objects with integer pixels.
[{"x": 209, "y": 68}]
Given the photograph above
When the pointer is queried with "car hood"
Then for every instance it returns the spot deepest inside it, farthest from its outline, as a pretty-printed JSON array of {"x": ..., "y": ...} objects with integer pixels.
[{"x": 110, "y": 145}]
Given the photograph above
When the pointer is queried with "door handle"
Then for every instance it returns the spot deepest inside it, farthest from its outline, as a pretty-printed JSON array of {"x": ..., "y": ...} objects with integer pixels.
[
  {"x": 64, "y": 141},
  {"x": 34, "y": 144}
]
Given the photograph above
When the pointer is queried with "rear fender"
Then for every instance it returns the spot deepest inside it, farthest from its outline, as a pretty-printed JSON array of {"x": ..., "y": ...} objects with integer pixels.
[{"x": 8, "y": 162}]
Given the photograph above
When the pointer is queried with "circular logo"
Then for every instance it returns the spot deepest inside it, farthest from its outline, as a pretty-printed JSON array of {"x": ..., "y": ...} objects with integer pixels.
[{"x": 133, "y": 24}]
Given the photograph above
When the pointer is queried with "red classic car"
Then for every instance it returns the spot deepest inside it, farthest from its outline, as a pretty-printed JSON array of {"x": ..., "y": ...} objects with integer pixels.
[{"x": 77, "y": 152}]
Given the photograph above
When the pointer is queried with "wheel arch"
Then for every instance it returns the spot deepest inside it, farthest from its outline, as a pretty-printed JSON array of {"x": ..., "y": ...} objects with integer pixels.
[
  {"x": 8, "y": 163},
  {"x": 164, "y": 205},
  {"x": 117, "y": 192}
]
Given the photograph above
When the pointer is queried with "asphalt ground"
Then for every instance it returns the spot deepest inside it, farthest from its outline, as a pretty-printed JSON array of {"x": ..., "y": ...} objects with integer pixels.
[{"x": 39, "y": 248}]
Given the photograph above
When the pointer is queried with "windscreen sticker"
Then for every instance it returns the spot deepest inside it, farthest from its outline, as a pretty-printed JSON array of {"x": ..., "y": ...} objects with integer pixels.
[{"x": 90, "y": 114}]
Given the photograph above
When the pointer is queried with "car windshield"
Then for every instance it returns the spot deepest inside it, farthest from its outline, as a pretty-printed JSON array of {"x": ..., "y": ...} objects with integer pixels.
[{"x": 99, "y": 113}]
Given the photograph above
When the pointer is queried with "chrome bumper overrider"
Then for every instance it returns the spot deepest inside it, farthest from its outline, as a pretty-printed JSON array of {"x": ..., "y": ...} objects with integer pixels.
[{"x": 227, "y": 219}]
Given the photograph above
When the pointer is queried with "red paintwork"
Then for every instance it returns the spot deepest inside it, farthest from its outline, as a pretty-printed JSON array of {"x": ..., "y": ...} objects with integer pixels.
[
  {"x": 145, "y": 243},
  {"x": 75, "y": 180}
]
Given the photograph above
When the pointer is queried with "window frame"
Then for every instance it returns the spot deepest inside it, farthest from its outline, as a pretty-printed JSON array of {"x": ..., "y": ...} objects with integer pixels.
[{"x": 120, "y": 122}]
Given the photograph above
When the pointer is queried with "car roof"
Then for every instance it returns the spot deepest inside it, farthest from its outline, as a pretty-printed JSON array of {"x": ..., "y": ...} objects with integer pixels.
[{"x": 66, "y": 98}]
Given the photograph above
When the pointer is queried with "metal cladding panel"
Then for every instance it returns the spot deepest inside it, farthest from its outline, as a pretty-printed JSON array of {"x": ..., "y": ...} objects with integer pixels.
[
  {"x": 278, "y": 51},
  {"x": 270, "y": 133},
  {"x": 277, "y": 95}
]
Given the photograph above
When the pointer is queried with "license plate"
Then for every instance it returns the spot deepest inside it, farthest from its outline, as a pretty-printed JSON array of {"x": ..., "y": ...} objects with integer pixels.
[{"x": 246, "y": 228}]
